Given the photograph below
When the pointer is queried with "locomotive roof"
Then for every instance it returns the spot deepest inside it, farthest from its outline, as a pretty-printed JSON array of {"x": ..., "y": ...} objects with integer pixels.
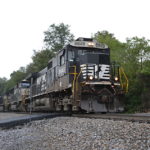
[
  {"x": 79, "y": 42},
  {"x": 31, "y": 75},
  {"x": 43, "y": 71},
  {"x": 36, "y": 74},
  {"x": 88, "y": 42},
  {"x": 84, "y": 39}
]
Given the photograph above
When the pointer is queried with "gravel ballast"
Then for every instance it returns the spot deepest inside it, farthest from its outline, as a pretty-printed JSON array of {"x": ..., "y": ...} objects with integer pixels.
[{"x": 70, "y": 133}]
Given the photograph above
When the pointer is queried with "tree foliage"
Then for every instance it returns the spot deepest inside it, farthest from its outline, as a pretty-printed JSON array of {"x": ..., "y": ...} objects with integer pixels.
[
  {"x": 39, "y": 60},
  {"x": 57, "y": 36},
  {"x": 136, "y": 64},
  {"x": 3, "y": 82},
  {"x": 134, "y": 56},
  {"x": 16, "y": 77},
  {"x": 116, "y": 47}
]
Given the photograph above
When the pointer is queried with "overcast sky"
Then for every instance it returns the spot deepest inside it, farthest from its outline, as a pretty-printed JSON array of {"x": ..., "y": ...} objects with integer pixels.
[{"x": 22, "y": 23}]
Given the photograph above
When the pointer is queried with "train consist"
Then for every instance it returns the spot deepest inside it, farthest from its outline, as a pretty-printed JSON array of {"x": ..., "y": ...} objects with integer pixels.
[{"x": 79, "y": 78}]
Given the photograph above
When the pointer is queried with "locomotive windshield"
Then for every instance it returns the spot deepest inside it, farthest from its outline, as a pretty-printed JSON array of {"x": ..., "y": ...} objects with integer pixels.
[
  {"x": 25, "y": 85},
  {"x": 90, "y": 58},
  {"x": 94, "y": 62},
  {"x": 92, "y": 51},
  {"x": 89, "y": 55}
]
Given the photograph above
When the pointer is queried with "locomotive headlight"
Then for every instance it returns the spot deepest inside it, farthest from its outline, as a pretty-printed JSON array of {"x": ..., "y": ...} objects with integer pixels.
[
  {"x": 90, "y": 44},
  {"x": 116, "y": 78},
  {"x": 91, "y": 77}
]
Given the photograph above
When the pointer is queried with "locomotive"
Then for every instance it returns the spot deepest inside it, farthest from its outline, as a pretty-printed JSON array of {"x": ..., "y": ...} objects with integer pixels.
[
  {"x": 14, "y": 99},
  {"x": 80, "y": 77}
]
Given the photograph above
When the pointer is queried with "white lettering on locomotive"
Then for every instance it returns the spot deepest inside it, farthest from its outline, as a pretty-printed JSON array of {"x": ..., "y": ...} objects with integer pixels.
[
  {"x": 104, "y": 72},
  {"x": 101, "y": 71}
]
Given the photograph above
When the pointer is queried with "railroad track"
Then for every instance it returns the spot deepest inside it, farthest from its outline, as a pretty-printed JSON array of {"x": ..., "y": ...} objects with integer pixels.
[
  {"x": 17, "y": 121},
  {"x": 21, "y": 120},
  {"x": 127, "y": 117}
]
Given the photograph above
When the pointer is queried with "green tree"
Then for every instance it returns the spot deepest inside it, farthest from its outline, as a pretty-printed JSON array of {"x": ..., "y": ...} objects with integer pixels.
[
  {"x": 145, "y": 67},
  {"x": 136, "y": 64},
  {"x": 57, "y": 36},
  {"x": 40, "y": 60},
  {"x": 30, "y": 68},
  {"x": 134, "y": 57},
  {"x": 9, "y": 85},
  {"x": 3, "y": 82},
  {"x": 117, "y": 48},
  {"x": 15, "y": 77},
  {"x": 18, "y": 75},
  {"x": 136, "y": 52}
]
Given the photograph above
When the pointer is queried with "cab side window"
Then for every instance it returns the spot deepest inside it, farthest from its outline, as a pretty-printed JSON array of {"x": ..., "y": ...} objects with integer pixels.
[
  {"x": 62, "y": 58},
  {"x": 50, "y": 64},
  {"x": 71, "y": 55}
]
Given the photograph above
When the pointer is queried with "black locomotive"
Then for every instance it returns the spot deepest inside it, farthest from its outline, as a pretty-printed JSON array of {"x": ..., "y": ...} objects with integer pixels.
[{"x": 79, "y": 77}]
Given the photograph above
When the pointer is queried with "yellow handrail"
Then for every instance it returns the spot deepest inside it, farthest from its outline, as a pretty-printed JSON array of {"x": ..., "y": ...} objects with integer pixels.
[
  {"x": 121, "y": 72},
  {"x": 73, "y": 83},
  {"x": 77, "y": 79}
]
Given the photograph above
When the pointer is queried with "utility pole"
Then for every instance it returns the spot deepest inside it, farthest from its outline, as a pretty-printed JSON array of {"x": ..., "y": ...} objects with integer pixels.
[{"x": 31, "y": 95}]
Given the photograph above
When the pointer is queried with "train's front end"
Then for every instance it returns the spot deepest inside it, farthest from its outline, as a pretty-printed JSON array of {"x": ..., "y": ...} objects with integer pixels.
[{"x": 96, "y": 84}]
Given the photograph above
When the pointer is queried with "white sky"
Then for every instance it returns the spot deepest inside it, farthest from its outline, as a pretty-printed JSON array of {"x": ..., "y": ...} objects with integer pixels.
[{"x": 22, "y": 23}]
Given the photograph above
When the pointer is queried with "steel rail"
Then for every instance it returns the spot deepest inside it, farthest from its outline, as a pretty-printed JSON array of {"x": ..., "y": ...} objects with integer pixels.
[
  {"x": 18, "y": 121},
  {"x": 126, "y": 117}
]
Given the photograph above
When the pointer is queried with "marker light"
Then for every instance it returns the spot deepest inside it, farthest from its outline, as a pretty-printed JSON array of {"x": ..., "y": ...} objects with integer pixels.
[
  {"x": 91, "y": 77},
  {"x": 116, "y": 78},
  {"x": 91, "y": 44}
]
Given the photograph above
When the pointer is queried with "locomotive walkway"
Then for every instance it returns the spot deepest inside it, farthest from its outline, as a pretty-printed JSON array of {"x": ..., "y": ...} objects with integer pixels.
[{"x": 10, "y": 120}]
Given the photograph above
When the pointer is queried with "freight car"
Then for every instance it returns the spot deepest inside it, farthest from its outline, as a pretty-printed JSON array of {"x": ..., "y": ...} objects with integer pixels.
[{"x": 79, "y": 77}]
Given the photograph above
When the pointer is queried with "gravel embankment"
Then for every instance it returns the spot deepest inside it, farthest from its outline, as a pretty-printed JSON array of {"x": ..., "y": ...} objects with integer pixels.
[{"x": 68, "y": 133}]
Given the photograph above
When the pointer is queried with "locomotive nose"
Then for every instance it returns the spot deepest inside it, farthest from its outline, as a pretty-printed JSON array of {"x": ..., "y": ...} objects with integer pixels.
[
  {"x": 95, "y": 72},
  {"x": 95, "y": 66}
]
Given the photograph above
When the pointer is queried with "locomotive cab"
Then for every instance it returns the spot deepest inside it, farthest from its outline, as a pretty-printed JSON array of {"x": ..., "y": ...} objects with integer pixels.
[{"x": 20, "y": 93}]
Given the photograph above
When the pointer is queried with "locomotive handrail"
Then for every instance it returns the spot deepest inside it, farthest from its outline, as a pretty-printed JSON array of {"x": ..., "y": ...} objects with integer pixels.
[
  {"x": 120, "y": 78},
  {"x": 73, "y": 83},
  {"x": 78, "y": 78},
  {"x": 121, "y": 71}
]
